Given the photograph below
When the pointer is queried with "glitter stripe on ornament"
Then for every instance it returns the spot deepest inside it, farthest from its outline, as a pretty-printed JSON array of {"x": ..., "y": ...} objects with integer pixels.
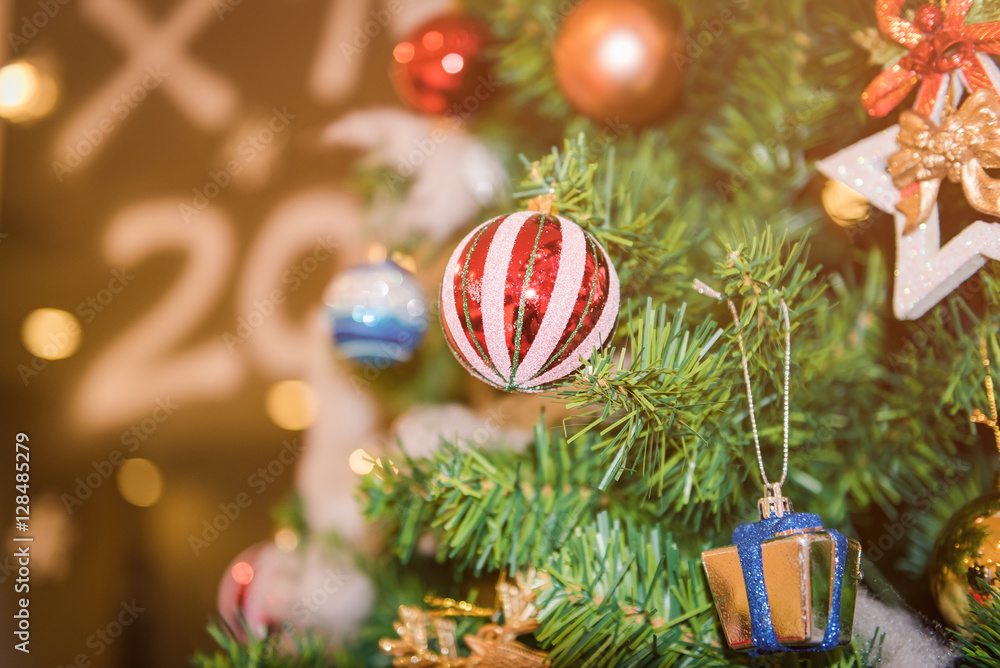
[
  {"x": 519, "y": 325},
  {"x": 471, "y": 289},
  {"x": 537, "y": 291},
  {"x": 453, "y": 326},
  {"x": 495, "y": 288},
  {"x": 569, "y": 338},
  {"x": 560, "y": 305},
  {"x": 600, "y": 333}
]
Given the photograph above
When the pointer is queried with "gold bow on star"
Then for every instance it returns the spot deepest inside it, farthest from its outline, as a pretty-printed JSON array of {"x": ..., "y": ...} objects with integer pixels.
[{"x": 965, "y": 144}]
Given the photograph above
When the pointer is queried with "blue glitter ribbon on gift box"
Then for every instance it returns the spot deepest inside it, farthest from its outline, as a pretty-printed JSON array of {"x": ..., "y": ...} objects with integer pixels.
[{"x": 749, "y": 539}]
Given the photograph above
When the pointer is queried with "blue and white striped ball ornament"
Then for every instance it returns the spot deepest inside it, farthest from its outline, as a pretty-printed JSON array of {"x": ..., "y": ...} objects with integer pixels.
[{"x": 377, "y": 313}]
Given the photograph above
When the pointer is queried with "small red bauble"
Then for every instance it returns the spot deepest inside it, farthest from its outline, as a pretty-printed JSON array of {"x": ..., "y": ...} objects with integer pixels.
[
  {"x": 524, "y": 296},
  {"x": 236, "y": 601},
  {"x": 440, "y": 66}
]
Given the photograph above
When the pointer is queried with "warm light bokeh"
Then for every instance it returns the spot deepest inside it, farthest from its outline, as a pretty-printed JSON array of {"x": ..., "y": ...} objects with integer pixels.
[
  {"x": 140, "y": 482},
  {"x": 291, "y": 404},
  {"x": 51, "y": 333}
]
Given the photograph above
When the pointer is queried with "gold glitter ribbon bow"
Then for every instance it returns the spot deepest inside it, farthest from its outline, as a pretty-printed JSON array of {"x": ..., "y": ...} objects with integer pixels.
[{"x": 965, "y": 144}]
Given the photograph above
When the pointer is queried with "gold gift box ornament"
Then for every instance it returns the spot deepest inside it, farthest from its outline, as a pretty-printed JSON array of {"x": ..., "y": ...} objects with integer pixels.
[{"x": 787, "y": 584}]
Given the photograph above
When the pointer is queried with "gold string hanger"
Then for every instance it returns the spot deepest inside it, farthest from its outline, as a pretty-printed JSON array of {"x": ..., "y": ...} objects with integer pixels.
[
  {"x": 977, "y": 415},
  {"x": 746, "y": 377},
  {"x": 773, "y": 503}
]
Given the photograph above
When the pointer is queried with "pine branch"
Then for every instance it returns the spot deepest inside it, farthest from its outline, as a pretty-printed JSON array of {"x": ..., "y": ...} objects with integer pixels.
[
  {"x": 664, "y": 428},
  {"x": 616, "y": 588},
  {"x": 492, "y": 509},
  {"x": 306, "y": 651},
  {"x": 638, "y": 224},
  {"x": 290, "y": 513},
  {"x": 768, "y": 86},
  {"x": 621, "y": 596},
  {"x": 618, "y": 595},
  {"x": 979, "y": 640},
  {"x": 930, "y": 509},
  {"x": 657, "y": 401},
  {"x": 639, "y": 401}
]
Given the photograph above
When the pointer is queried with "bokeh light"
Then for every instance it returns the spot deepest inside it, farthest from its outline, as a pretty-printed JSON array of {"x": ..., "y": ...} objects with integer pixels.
[
  {"x": 291, "y": 404},
  {"x": 51, "y": 333},
  {"x": 26, "y": 92},
  {"x": 432, "y": 40},
  {"x": 621, "y": 54},
  {"x": 405, "y": 261},
  {"x": 286, "y": 539},
  {"x": 18, "y": 82},
  {"x": 403, "y": 53},
  {"x": 452, "y": 63},
  {"x": 377, "y": 253},
  {"x": 361, "y": 462},
  {"x": 242, "y": 572},
  {"x": 140, "y": 482}
]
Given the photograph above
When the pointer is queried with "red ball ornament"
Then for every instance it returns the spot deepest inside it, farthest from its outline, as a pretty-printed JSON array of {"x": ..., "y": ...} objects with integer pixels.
[
  {"x": 524, "y": 296},
  {"x": 441, "y": 64}
]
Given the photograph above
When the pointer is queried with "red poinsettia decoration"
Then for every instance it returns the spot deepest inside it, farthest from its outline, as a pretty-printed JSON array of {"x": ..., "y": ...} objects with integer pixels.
[{"x": 939, "y": 43}]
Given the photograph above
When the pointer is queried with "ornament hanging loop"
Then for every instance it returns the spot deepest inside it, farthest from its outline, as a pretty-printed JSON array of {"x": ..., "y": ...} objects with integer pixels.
[{"x": 773, "y": 504}]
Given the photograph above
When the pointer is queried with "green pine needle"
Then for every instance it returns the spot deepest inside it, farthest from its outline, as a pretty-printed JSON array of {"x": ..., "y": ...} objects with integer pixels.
[
  {"x": 272, "y": 651},
  {"x": 979, "y": 640}
]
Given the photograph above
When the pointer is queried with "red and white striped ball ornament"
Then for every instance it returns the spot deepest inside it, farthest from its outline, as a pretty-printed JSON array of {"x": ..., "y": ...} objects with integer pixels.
[{"x": 524, "y": 297}]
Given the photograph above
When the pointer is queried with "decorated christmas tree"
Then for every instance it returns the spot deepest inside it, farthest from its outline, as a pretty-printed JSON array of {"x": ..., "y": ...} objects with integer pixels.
[{"x": 692, "y": 268}]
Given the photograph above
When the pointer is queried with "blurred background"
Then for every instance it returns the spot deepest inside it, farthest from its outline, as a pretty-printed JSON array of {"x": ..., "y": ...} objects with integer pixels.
[{"x": 164, "y": 171}]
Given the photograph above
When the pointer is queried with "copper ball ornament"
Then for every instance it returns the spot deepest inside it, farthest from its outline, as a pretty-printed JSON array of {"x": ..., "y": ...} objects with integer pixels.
[
  {"x": 442, "y": 68},
  {"x": 966, "y": 558},
  {"x": 621, "y": 59}
]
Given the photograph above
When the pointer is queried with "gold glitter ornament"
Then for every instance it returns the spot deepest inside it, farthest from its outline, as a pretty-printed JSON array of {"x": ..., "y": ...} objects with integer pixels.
[
  {"x": 966, "y": 555},
  {"x": 847, "y": 207},
  {"x": 966, "y": 558}
]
